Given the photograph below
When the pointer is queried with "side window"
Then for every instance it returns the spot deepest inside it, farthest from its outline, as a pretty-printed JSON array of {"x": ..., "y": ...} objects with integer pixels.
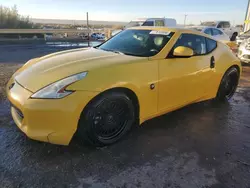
[
  {"x": 220, "y": 32},
  {"x": 216, "y": 32},
  {"x": 226, "y": 25},
  {"x": 220, "y": 25},
  {"x": 211, "y": 45},
  {"x": 208, "y": 31},
  {"x": 159, "y": 23},
  {"x": 195, "y": 42},
  {"x": 148, "y": 23}
]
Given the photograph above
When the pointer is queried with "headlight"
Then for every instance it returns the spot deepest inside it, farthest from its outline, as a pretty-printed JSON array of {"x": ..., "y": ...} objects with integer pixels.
[{"x": 57, "y": 90}]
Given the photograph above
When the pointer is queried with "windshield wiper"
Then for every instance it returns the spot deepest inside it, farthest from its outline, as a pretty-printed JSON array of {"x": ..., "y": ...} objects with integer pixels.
[
  {"x": 114, "y": 51},
  {"x": 118, "y": 52},
  {"x": 131, "y": 54},
  {"x": 122, "y": 53}
]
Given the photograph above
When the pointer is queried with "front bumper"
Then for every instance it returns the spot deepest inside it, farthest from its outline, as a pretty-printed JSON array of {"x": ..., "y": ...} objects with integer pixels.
[
  {"x": 244, "y": 55},
  {"x": 48, "y": 120}
]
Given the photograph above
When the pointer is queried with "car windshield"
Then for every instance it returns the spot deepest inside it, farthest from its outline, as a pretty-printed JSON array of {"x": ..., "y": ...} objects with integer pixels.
[
  {"x": 208, "y": 24},
  {"x": 144, "y": 43}
]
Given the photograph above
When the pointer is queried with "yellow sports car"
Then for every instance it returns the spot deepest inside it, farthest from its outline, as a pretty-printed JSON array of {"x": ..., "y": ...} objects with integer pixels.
[{"x": 99, "y": 93}]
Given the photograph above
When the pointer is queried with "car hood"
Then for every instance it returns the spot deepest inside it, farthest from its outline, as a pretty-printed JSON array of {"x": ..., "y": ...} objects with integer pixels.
[{"x": 43, "y": 71}]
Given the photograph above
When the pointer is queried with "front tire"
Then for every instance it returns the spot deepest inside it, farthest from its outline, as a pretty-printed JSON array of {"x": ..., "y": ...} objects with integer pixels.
[
  {"x": 106, "y": 119},
  {"x": 228, "y": 85}
]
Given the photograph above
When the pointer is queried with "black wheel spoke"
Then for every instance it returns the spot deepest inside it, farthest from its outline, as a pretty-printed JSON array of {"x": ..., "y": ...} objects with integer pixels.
[
  {"x": 231, "y": 83},
  {"x": 110, "y": 118}
]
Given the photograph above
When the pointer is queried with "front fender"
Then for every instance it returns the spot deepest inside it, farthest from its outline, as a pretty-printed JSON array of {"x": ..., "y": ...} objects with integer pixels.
[{"x": 136, "y": 77}]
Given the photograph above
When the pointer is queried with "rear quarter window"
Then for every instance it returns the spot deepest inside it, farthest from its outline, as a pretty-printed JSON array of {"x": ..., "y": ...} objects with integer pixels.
[{"x": 211, "y": 45}]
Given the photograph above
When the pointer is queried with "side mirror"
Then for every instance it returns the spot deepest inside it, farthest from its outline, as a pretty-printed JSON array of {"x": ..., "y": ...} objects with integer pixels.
[{"x": 183, "y": 51}]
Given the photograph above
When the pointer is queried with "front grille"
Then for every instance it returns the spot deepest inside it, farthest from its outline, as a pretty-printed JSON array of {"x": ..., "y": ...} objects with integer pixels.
[{"x": 18, "y": 112}]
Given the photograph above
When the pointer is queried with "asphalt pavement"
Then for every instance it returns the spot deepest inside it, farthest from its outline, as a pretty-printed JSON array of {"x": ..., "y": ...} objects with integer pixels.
[
  {"x": 23, "y": 52},
  {"x": 202, "y": 145}
]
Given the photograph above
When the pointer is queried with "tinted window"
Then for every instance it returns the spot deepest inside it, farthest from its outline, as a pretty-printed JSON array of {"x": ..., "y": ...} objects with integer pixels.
[
  {"x": 220, "y": 25},
  {"x": 226, "y": 25},
  {"x": 148, "y": 23},
  {"x": 211, "y": 45},
  {"x": 217, "y": 32},
  {"x": 195, "y": 42},
  {"x": 134, "y": 42},
  {"x": 208, "y": 31},
  {"x": 159, "y": 23}
]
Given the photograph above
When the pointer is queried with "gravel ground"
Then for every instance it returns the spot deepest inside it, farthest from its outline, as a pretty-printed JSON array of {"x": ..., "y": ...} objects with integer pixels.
[
  {"x": 202, "y": 145},
  {"x": 6, "y": 71}
]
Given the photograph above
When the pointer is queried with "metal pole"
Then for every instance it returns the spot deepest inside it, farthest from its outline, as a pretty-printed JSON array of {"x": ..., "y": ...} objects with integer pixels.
[
  {"x": 185, "y": 20},
  {"x": 88, "y": 27},
  {"x": 246, "y": 24}
]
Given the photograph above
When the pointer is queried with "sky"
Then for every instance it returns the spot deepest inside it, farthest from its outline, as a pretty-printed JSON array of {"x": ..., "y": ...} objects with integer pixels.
[{"x": 126, "y": 10}]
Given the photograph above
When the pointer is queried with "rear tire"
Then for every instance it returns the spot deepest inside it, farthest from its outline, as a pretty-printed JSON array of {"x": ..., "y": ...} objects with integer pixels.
[
  {"x": 228, "y": 85},
  {"x": 233, "y": 38},
  {"x": 106, "y": 119}
]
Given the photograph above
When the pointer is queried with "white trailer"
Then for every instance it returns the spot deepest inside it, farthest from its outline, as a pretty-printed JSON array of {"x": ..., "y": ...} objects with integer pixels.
[{"x": 158, "y": 22}]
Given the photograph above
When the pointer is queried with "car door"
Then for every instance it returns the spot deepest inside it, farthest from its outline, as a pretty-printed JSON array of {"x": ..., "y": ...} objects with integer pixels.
[{"x": 184, "y": 80}]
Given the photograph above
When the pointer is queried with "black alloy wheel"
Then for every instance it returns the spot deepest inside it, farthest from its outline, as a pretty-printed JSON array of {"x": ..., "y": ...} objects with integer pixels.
[
  {"x": 107, "y": 119},
  {"x": 228, "y": 84}
]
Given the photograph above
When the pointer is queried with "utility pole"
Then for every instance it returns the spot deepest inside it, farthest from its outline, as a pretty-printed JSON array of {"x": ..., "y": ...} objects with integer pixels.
[
  {"x": 185, "y": 19},
  {"x": 88, "y": 27}
]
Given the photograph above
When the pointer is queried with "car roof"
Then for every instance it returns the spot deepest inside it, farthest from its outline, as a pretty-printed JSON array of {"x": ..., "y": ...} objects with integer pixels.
[{"x": 172, "y": 29}]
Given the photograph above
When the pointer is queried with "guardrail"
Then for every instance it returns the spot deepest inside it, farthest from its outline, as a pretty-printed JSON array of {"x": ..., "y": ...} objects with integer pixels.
[
  {"x": 42, "y": 31},
  {"x": 43, "y": 41}
]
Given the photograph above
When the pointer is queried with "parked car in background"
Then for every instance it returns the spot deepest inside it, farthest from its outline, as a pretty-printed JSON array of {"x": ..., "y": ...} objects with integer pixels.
[
  {"x": 161, "y": 22},
  {"x": 94, "y": 36},
  {"x": 214, "y": 32},
  {"x": 48, "y": 36},
  {"x": 98, "y": 36},
  {"x": 101, "y": 36},
  {"x": 225, "y": 26},
  {"x": 244, "y": 51},
  {"x": 83, "y": 36},
  {"x": 243, "y": 36},
  {"x": 100, "y": 93}
]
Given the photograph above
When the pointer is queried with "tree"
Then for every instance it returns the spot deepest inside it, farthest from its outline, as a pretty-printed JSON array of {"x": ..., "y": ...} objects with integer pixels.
[{"x": 10, "y": 19}]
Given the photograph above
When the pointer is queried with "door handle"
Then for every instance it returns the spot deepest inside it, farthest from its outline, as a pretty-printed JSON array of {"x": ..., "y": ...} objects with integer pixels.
[{"x": 212, "y": 62}]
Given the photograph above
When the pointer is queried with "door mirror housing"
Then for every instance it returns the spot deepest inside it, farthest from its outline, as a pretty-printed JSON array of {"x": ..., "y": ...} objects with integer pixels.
[{"x": 183, "y": 51}]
